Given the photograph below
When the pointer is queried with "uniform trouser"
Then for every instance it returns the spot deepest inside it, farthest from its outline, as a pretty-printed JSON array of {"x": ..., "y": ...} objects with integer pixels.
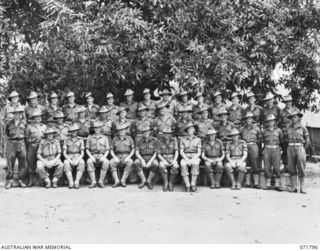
[
  {"x": 174, "y": 168},
  {"x": 213, "y": 167},
  {"x": 194, "y": 165},
  {"x": 236, "y": 165},
  {"x": 32, "y": 149},
  {"x": 91, "y": 166},
  {"x": 16, "y": 149},
  {"x": 253, "y": 158},
  {"x": 138, "y": 165},
  {"x": 43, "y": 171},
  {"x": 284, "y": 155},
  {"x": 272, "y": 159},
  {"x": 296, "y": 160},
  {"x": 114, "y": 165},
  {"x": 69, "y": 168}
]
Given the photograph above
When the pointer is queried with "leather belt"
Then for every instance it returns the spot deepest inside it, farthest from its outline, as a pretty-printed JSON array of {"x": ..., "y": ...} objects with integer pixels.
[
  {"x": 295, "y": 144},
  {"x": 272, "y": 146}
]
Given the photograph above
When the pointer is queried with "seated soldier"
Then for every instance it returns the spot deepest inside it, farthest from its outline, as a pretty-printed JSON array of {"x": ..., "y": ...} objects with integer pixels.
[
  {"x": 190, "y": 151},
  {"x": 122, "y": 150},
  {"x": 73, "y": 152},
  {"x": 97, "y": 149},
  {"x": 146, "y": 153},
  {"x": 236, "y": 155},
  {"x": 168, "y": 155},
  {"x": 213, "y": 153},
  {"x": 49, "y": 153}
]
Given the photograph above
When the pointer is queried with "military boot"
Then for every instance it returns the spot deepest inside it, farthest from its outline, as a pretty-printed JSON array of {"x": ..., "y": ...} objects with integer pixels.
[
  {"x": 165, "y": 181},
  {"x": 231, "y": 178},
  {"x": 48, "y": 182},
  {"x": 124, "y": 178},
  {"x": 218, "y": 179},
  {"x": 55, "y": 182},
  {"x": 93, "y": 182},
  {"x": 172, "y": 182},
  {"x": 30, "y": 182},
  {"x": 240, "y": 179},
  {"x": 149, "y": 181},
  {"x": 302, "y": 187},
  {"x": 142, "y": 179},
  {"x": 277, "y": 184},
  {"x": 9, "y": 184},
  {"x": 103, "y": 174},
  {"x": 294, "y": 185},
  {"x": 70, "y": 179},
  {"x": 256, "y": 181},
  {"x": 78, "y": 178},
  {"x": 211, "y": 180}
]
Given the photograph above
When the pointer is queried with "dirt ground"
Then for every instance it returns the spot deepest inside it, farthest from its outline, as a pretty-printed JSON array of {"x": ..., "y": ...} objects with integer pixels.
[{"x": 123, "y": 215}]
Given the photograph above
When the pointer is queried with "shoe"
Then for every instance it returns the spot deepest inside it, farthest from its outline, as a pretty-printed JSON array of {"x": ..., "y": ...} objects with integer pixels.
[
  {"x": 193, "y": 188},
  {"x": 233, "y": 186},
  {"x": 213, "y": 186},
  {"x": 217, "y": 186},
  {"x": 303, "y": 191},
  {"x": 21, "y": 184},
  {"x": 256, "y": 186},
  {"x": 149, "y": 185},
  {"x": 54, "y": 185},
  {"x": 170, "y": 187},
  {"x": 294, "y": 190},
  {"x": 9, "y": 184},
  {"x": 76, "y": 185},
  {"x": 141, "y": 185},
  {"x": 48, "y": 183},
  {"x": 70, "y": 186},
  {"x": 238, "y": 186},
  {"x": 123, "y": 183},
  {"x": 117, "y": 184},
  {"x": 188, "y": 189},
  {"x": 165, "y": 188},
  {"x": 279, "y": 189},
  {"x": 101, "y": 185},
  {"x": 92, "y": 185}
]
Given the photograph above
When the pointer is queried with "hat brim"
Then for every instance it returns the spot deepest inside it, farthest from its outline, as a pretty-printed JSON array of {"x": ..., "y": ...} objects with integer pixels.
[
  {"x": 187, "y": 128},
  {"x": 165, "y": 93},
  {"x": 220, "y": 114},
  {"x": 74, "y": 130},
  {"x": 144, "y": 109},
  {"x": 199, "y": 112},
  {"x": 300, "y": 115}
]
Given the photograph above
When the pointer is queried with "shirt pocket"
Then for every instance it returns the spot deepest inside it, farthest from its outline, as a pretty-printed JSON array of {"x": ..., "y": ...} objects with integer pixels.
[{"x": 102, "y": 144}]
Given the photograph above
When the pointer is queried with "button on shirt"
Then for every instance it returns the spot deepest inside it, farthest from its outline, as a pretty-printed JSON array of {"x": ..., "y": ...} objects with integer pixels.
[
  {"x": 16, "y": 131},
  {"x": 35, "y": 132},
  {"x": 167, "y": 146},
  {"x": 250, "y": 133},
  {"x": 120, "y": 146},
  {"x": 236, "y": 149},
  {"x": 297, "y": 134},
  {"x": 213, "y": 149},
  {"x": 147, "y": 146},
  {"x": 73, "y": 145},
  {"x": 190, "y": 144},
  {"x": 272, "y": 137},
  {"x": 97, "y": 144},
  {"x": 49, "y": 148}
]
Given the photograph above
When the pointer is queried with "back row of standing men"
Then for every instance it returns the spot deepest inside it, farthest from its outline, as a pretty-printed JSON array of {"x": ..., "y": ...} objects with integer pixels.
[{"x": 268, "y": 130}]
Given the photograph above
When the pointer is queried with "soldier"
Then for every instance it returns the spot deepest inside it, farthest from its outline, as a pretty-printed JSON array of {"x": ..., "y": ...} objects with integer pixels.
[
  {"x": 150, "y": 104},
  {"x": 97, "y": 149},
  {"x": 73, "y": 152},
  {"x": 236, "y": 154},
  {"x": 13, "y": 105},
  {"x": 70, "y": 109},
  {"x": 130, "y": 104},
  {"x": 203, "y": 123},
  {"x": 190, "y": 151},
  {"x": 166, "y": 95},
  {"x": 34, "y": 134},
  {"x": 183, "y": 120},
  {"x": 224, "y": 127},
  {"x": 213, "y": 153},
  {"x": 122, "y": 114},
  {"x": 164, "y": 120},
  {"x": 251, "y": 134},
  {"x": 106, "y": 123},
  {"x": 199, "y": 106},
  {"x": 235, "y": 110},
  {"x": 297, "y": 137},
  {"x": 168, "y": 153},
  {"x": 184, "y": 103},
  {"x": 16, "y": 147},
  {"x": 32, "y": 105},
  {"x": 49, "y": 153},
  {"x": 113, "y": 109},
  {"x": 141, "y": 122},
  {"x": 48, "y": 116},
  {"x": 217, "y": 106},
  {"x": 255, "y": 109},
  {"x": 83, "y": 123},
  {"x": 60, "y": 127},
  {"x": 91, "y": 108},
  {"x": 146, "y": 153},
  {"x": 270, "y": 108},
  {"x": 272, "y": 138},
  {"x": 122, "y": 150}
]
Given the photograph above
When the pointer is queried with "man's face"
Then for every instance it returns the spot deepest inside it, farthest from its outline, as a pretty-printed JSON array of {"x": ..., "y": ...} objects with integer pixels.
[
  {"x": 143, "y": 113},
  {"x": 204, "y": 114},
  {"x": 184, "y": 115},
  {"x": 103, "y": 115},
  {"x": 270, "y": 102},
  {"x": 184, "y": 98},
  {"x": 161, "y": 111},
  {"x": 235, "y": 137},
  {"x": 90, "y": 100},
  {"x": 50, "y": 136},
  {"x": 147, "y": 96},
  {"x": 235, "y": 100},
  {"x": 15, "y": 99},
  {"x": 17, "y": 115},
  {"x": 97, "y": 129},
  {"x": 295, "y": 119},
  {"x": 252, "y": 100},
  {"x": 37, "y": 119},
  {"x": 81, "y": 114},
  {"x": 165, "y": 97},
  {"x": 200, "y": 99},
  {"x": 33, "y": 101},
  {"x": 123, "y": 114},
  {"x": 191, "y": 130},
  {"x": 271, "y": 123},
  {"x": 74, "y": 134},
  {"x": 110, "y": 101},
  {"x": 146, "y": 134},
  {"x": 60, "y": 120},
  {"x": 54, "y": 101},
  {"x": 71, "y": 99},
  {"x": 122, "y": 132},
  {"x": 249, "y": 121},
  {"x": 218, "y": 99},
  {"x": 288, "y": 103},
  {"x": 212, "y": 137},
  {"x": 224, "y": 117},
  {"x": 129, "y": 98}
]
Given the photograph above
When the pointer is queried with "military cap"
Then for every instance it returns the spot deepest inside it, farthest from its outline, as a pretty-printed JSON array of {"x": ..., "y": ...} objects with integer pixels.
[
  {"x": 19, "y": 109},
  {"x": 211, "y": 131},
  {"x": 13, "y": 94},
  {"x": 162, "y": 105},
  {"x": 122, "y": 126},
  {"x": 129, "y": 92},
  {"x": 269, "y": 96},
  {"x": 110, "y": 95},
  {"x": 58, "y": 114},
  {"x": 287, "y": 98},
  {"x": 188, "y": 126},
  {"x": 217, "y": 93},
  {"x": 81, "y": 109},
  {"x": 53, "y": 95},
  {"x": 121, "y": 109},
  {"x": 88, "y": 94},
  {"x": 165, "y": 92},
  {"x": 223, "y": 111},
  {"x": 70, "y": 94},
  {"x": 183, "y": 92},
  {"x": 49, "y": 131},
  {"x": 36, "y": 113},
  {"x": 146, "y": 90},
  {"x": 73, "y": 128},
  {"x": 203, "y": 109},
  {"x": 250, "y": 94},
  {"x": 234, "y": 132},
  {"x": 167, "y": 129},
  {"x": 249, "y": 115},
  {"x": 103, "y": 109},
  {"x": 198, "y": 94},
  {"x": 270, "y": 117},
  {"x": 294, "y": 113},
  {"x": 142, "y": 108},
  {"x": 96, "y": 124},
  {"x": 145, "y": 129},
  {"x": 32, "y": 95},
  {"x": 235, "y": 94}
]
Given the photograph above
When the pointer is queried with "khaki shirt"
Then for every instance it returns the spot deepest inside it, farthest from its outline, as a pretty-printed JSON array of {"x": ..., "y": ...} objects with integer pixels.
[
  {"x": 256, "y": 111},
  {"x": 97, "y": 144},
  {"x": 147, "y": 146},
  {"x": 62, "y": 131},
  {"x": 122, "y": 146},
  {"x": 181, "y": 125},
  {"x": 204, "y": 126},
  {"x": 297, "y": 134},
  {"x": 18, "y": 131},
  {"x": 166, "y": 121},
  {"x": 106, "y": 128},
  {"x": 49, "y": 112},
  {"x": 138, "y": 124},
  {"x": 117, "y": 123},
  {"x": 272, "y": 137},
  {"x": 113, "y": 109},
  {"x": 92, "y": 112},
  {"x": 151, "y": 104},
  {"x": 235, "y": 114},
  {"x": 167, "y": 146},
  {"x": 73, "y": 145},
  {"x": 214, "y": 150},
  {"x": 49, "y": 149},
  {"x": 84, "y": 128},
  {"x": 251, "y": 134},
  {"x": 71, "y": 112},
  {"x": 35, "y": 132},
  {"x": 215, "y": 110},
  {"x": 190, "y": 144},
  {"x": 131, "y": 109},
  {"x": 30, "y": 109},
  {"x": 224, "y": 129},
  {"x": 236, "y": 150}
]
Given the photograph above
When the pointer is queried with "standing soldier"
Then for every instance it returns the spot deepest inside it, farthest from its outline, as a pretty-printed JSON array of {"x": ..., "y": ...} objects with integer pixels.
[
  {"x": 13, "y": 105},
  {"x": 199, "y": 106},
  {"x": 255, "y": 109},
  {"x": 217, "y": 106},
  {"x": 164, "y": 120},
  {"x": 183, "y": 104},
  {"x": 141, "y": 122},
  {"x": 203, "y": 124},
  {"x": 224, "y": 127},
  {"x": 34, "y": 135},
  {"x": 83, "y": 123},
  {"x": 297, "y": 137},
  {"x": 150, "y": 104},
  {"x": 235, "y": 110},
  {"x": 51, "y": 109},
  {"x": 251, "y": 134},
  {"x": 113, "y": 109},
  {"x": 73, "y": 152},
  {"x": 91, "y": 108},
  {"x": 70, "y": 109},
  {"x": 213, "y": 153},
  {"x": 130, "y": 104},
  {"x": 146, "y": 153},
  {"x": 60, "y": 127},
  {"x": 272, "y": 138},
  {"x": 190, "y": 151},
  {"x": 122, "y": 150},
  {"x": 16, "y": 147},
  {"x": 106, "y": 128},
  {"x": 236, "y": 154},
  {"x": 49, "y": 153},
  {"x": 166, "y": 95},
  {"x": 168, "y": 153},
  {"x": 183, "y": 120},
  {"x": 97, "y": 149},
  {"x": 122, "y": 120},
  {"x": 33, "y": 105},
  {"x": 270, "y": 108}
]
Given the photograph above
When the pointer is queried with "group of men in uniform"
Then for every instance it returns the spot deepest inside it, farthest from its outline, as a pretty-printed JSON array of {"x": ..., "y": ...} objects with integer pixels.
[{"x": 169, "y": 137}]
